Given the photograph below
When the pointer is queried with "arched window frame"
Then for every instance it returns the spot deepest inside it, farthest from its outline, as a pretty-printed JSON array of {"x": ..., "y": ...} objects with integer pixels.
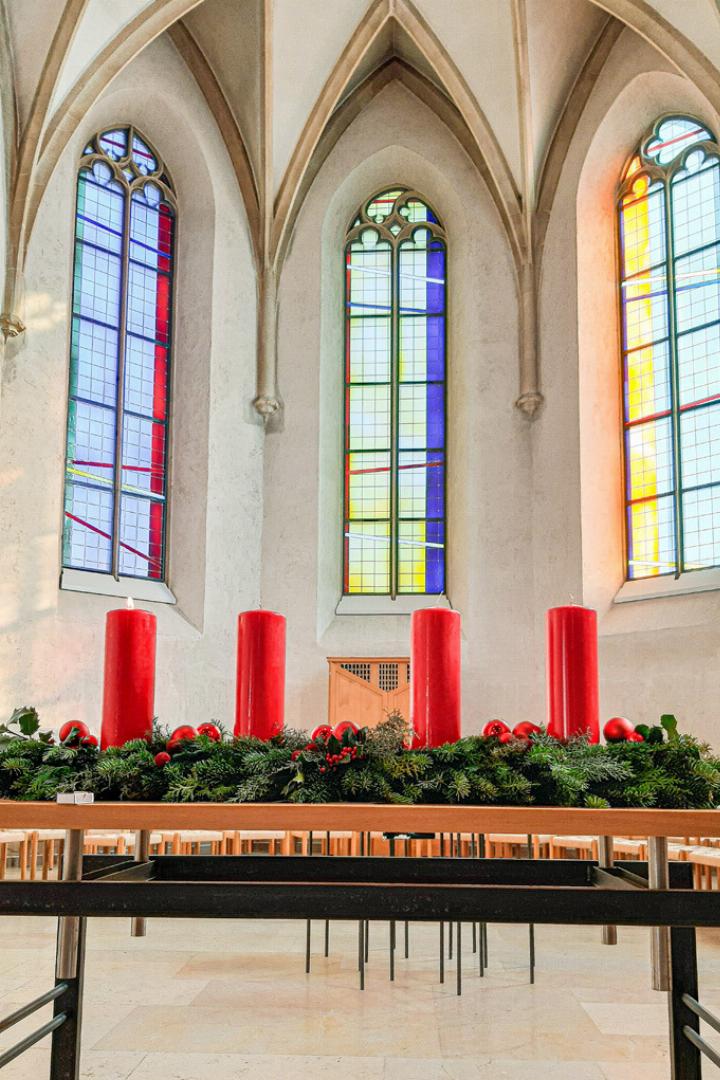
[
  {"x": 663, "y": 462},
  {"x": 398, "y": 227},
  {"x": 137, "y": 172}
]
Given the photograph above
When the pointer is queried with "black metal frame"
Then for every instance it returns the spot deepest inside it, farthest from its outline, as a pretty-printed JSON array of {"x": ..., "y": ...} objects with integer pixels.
[{"x": 360, "y": 889}]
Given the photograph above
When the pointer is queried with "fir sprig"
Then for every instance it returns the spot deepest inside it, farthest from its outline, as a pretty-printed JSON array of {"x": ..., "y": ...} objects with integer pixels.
[{"x": 371, "y": 765}]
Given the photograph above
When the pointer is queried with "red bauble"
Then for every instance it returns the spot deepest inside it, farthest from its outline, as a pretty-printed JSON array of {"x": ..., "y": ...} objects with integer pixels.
[
  {"x": 162, "y": 759},
  {"x": 210, "y": 731},
  {"x": 324, "y": 731},
  {"x": 343, "y": 726},
  {"x": 81, "y": 731},
  {"x": 618, "y": 729},
  {"x": 179, "y": 735},
  {"x": 526, "y": 729},
  {"x": 505, "y": 737},
  {"x": 494, "y": 729},
  {"x": 89, "y": 740},
  {"x": 635, "y": 736}
]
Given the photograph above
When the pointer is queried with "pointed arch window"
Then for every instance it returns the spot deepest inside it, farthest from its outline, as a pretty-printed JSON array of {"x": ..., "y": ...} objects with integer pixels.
[
  {"x": 669, "y": 218},
  {"x": 394, "y": 456},
  {"x": 115, "y": 510}
]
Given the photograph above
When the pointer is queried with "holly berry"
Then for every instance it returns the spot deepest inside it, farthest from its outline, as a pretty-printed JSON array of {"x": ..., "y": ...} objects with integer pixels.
[
  {"x": 635, "y": 736},
  {"x": 323, "y": 732},
  {"x": 494, "y": 729},
  {"x": 89, "y": 740},
  {"x": 179, "y": 735},
  {"x": 526, "y": 729},
  {"x": 618, "y": 729},
  {"x": 210, "y": 731},
  {"x": 505, "y": 737},
  {"x": 162, "y": 759},
  {"x": 73, "y": 731}
]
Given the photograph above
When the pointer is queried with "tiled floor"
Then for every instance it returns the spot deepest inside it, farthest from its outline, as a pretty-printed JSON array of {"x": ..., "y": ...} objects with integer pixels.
[{"x": 215, "y": 1000}]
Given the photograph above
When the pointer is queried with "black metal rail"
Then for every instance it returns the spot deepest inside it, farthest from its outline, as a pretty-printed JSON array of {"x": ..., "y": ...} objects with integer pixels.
[{"x": 360, "y": 889}]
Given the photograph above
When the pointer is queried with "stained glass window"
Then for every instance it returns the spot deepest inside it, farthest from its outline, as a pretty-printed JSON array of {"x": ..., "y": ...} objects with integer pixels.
[
  {"x": 394, "y": 516},
  {"x": 669, "y": 212},
  {"x": 115, "y": 510}
]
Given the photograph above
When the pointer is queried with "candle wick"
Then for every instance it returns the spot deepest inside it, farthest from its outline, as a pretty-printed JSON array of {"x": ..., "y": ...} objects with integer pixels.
[{"x": 130, "y": 603}]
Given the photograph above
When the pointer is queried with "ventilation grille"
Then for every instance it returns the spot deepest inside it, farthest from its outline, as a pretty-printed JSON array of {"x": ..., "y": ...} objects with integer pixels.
[
  {"x": 361, "y": 671},
  {"x": 389, "y": 677}
]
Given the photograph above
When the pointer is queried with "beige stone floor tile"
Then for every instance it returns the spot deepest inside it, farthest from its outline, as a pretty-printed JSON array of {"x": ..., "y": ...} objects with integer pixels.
[
  {"x": 165, "y": 1066},
  {"x": 95, "y": 1065},
  {"x": 628, "y": 1019},
  {"x": 618, "y": 1070},
  {"x": 350, "y": 1033}
]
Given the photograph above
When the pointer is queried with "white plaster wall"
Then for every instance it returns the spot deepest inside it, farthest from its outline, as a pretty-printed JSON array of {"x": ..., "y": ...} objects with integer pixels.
[
  {"x": 398, "y": 140},
  {"x": 51, "y": 641},
  {"x": 656, "y": 655}
]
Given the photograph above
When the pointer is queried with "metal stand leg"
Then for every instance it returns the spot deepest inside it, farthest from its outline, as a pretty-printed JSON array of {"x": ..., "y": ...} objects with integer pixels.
[
  {"x": 392, "y": 924},
  {"x": 685, "y": 1057},
  {"x": 308, "y": 935},
  {"x": 407, "y": 924},
  {"x": 65, "y": 1050},
  {"x": 531, "y": 928},
  {"x": 459, "y": 959},
  {"x": 442, "y": 952},
  {"x": 308, "y": 922},
  {"x": 483, "y": 952},
  {"x": 361, "y": 952},
  {"x": 69, "y": 925},
  {"x": 138, "y": 925},
  {"x": 659, "y": 878},
  {"x": 69, "y": 968},
  {"x": 327, "y": 921},
  {"x": 606, "y": 860}
]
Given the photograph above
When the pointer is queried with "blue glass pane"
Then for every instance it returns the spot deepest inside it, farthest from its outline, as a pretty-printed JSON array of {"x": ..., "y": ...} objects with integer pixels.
[
  {"x": 422, "y": 348},
  {"x": 696, "y": 205},
  {"x": 421, "y": 419},
  {"x": 701, "y": 528},
  {"x": 700, "y": 434},
  {"x": 114, "y": 143},
  {"x": 697, "y": 289}
]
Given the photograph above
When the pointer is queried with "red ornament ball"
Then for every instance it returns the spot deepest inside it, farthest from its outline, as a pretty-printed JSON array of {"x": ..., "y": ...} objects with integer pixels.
[
  {"x": 635, "y": 737},
  {"x": 210, "y": 731},
  {"x": 505, "y": 737},
  {"x": 494, "y": 729},
  {"x": 343, "y": 726},
  {"x": 618, "y": 729},
  {"x": 324, "y": 731},
  {"x": 526, "y": 729},
  {"x": 162, "y": 759},
  {"x": 179, "y": 735},
  {"x": 89, "y": 740},
  {"x": 81, "y": 731}
]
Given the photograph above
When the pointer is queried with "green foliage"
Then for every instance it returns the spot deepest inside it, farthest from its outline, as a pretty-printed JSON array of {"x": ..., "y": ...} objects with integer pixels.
[{"x": 371, "y": 765}]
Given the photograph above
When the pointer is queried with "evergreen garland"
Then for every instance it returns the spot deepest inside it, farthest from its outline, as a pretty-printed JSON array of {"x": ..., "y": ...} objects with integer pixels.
[{"x": 667, "y": 770}]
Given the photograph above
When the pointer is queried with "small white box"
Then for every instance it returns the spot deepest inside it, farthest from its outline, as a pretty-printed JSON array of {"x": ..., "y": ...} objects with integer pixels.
[
  {"x": 66, "y": 797},
  {"x": 84, "y": 797}
]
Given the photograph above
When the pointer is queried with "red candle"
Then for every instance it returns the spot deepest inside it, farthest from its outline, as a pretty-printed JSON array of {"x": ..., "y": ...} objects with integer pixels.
[
  {"x": 435, "y": 676},
  {"x": 572, "y": 672},
  {"x": 260, "y": 701},
  {"x": 129, "y": 690}
]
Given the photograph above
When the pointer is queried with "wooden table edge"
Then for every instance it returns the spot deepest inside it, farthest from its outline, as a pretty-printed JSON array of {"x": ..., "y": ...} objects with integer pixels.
[{"x": 359, "y": 817}]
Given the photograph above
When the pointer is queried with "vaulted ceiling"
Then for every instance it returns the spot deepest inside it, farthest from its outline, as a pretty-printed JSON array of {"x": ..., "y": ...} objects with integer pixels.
[
  {"x": 284, "y": 78},
  {"x": 283, "y": 67}
]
